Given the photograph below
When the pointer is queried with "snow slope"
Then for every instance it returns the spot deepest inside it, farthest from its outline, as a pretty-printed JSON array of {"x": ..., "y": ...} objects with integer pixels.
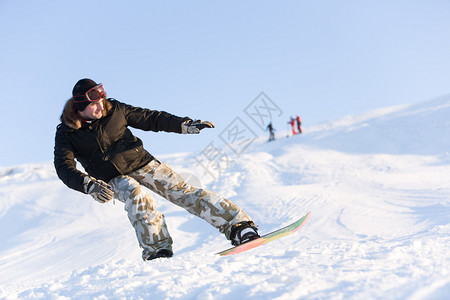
[{"x": 376, "y": 184}]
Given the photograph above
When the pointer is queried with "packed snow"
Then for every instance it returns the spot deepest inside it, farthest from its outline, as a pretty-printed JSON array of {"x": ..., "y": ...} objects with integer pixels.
[{"x": 377, "y": 185}]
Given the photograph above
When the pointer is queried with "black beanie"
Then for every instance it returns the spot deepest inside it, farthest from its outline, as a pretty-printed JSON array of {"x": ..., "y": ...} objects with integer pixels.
[{"x": 80, "y": 88}]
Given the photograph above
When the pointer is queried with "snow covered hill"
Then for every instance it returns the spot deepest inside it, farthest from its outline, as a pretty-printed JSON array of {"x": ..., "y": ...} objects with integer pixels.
[
  {"x": 421, "y": 128},
  {"x": 376, "y": 184}
]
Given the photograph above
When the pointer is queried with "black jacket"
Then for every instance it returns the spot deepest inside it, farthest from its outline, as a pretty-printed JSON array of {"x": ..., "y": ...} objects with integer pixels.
[{"x": 106, "y": 147}]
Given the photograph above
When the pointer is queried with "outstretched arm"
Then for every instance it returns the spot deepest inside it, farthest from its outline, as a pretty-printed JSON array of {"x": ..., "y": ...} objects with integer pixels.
[{"x": 153, "y": 120}]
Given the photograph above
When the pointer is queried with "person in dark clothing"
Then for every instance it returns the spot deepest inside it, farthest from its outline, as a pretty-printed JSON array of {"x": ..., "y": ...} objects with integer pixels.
[
  {"x": 271, "y": 131},
  {"x": 94, "y": 131}
]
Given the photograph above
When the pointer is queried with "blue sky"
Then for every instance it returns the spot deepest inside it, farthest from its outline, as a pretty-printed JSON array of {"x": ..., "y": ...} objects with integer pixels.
[{"x": 209, "y": 59}]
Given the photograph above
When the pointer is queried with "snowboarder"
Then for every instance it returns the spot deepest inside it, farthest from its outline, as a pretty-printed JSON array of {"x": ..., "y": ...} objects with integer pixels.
[
  {"x": 271, "y": 130},
  {"x": 94, "y": 131},
  {"x": 292, "y": 122},
  {"x": 299, "y": 124}
]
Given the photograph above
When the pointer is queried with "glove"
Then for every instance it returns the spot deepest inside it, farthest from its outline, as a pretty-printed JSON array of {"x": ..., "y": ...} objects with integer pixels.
[
  {"x": 194, "y": 126},
  {"x": 98, "y": 189}
]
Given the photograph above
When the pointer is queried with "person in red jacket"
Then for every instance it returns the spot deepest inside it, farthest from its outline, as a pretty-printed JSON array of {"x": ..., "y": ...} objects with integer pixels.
[
  {"x": 299, "y": 124},
  {"x": 292, "y": 122}
]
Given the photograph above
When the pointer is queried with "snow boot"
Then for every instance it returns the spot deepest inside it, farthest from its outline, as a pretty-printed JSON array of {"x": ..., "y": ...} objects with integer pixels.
[
  {"x": 161, "y": 253},
  {"x": 243, "y": 232}
]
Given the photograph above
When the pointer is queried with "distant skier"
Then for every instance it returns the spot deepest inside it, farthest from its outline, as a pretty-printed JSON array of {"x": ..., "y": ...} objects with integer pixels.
[
  {"x": 94, "y": 131},
  {"x": 271, "y": 131},
  {"x": 292, "y": 122},
  {"x": 299, "y": 124}
]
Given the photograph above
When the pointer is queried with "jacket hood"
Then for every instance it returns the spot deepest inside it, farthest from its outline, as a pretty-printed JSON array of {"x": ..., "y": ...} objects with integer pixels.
[{"x": 71, "y": 120}]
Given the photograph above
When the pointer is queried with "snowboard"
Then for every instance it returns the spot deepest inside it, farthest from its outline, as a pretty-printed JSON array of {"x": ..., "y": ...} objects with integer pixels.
[{"x": 267, "y": 238}]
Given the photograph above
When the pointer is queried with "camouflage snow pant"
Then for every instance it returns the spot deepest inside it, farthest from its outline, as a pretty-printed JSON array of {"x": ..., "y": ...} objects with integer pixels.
[{"x": 149, "y": 223}]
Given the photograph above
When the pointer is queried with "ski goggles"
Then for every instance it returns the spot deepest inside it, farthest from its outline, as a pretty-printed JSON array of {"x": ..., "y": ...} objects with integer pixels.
[{"x": 94, "y": 94}]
